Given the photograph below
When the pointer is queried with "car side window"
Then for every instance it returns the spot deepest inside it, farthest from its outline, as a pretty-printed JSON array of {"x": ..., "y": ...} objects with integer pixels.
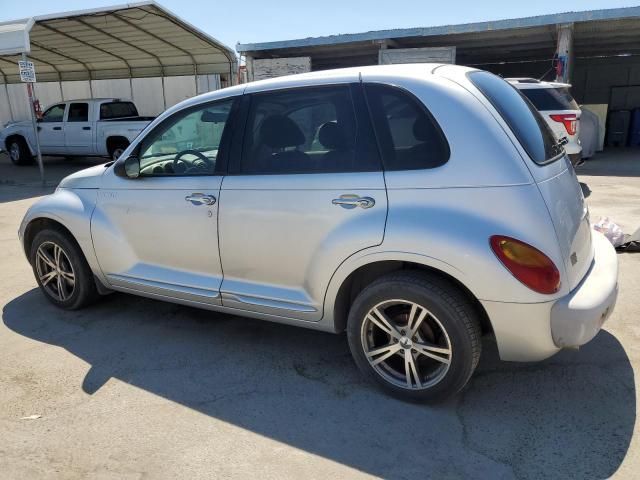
[
  {"x": 187, "y": 143},
  {"x": 409, "y": 136},
  {"x": 307, "y": 130},
  {"x": 54, "y": 114},
  {"x": 78, "y": 112}
]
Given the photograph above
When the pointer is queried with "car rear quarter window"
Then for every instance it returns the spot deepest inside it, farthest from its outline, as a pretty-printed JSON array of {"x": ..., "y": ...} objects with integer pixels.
[
  {"x": 409, "y": 136},
  {"x": 550, "y": 98},
  {"x": 521, "y": 116}
]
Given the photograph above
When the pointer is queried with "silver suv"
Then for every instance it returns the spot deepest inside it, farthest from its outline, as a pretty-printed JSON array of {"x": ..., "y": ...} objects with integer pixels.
[{"x": 416, "y": 207}]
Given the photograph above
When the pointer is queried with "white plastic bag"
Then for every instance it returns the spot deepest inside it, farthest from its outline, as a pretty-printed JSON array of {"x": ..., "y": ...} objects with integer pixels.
[{"x": 611, "y": 230}]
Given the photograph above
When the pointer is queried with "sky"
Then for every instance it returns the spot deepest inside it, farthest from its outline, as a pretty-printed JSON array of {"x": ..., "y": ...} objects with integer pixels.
[{"x": 249, "y": 21}]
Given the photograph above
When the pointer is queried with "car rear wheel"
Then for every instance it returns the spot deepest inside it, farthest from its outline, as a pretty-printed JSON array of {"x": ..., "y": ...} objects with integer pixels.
[
  {"x": 19, "y": 152},
  {"x": 61, "y": 270},
  {"x": 117, "y": 150},
  {"x": 416, "y": 336}
]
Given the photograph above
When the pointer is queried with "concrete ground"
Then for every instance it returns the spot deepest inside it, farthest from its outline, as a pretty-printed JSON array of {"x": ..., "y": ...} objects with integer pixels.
[{"x": 134, "y": 388}]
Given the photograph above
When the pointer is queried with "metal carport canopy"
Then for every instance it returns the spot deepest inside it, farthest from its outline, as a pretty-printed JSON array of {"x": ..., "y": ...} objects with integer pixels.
[{"x": 127, "y": 41}]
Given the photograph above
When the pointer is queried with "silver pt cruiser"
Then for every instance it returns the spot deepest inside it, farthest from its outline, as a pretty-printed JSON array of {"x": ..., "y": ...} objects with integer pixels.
[{"x": 417, "y": 207}]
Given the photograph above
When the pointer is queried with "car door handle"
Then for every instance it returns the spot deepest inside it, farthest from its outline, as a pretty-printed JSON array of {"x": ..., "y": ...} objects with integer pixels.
[
  {"x": 350, "y": 201},
  {"x": 86, "y": 128},
  {"x": 200, "y": 199},
  {"x": 57, "y": 128}
]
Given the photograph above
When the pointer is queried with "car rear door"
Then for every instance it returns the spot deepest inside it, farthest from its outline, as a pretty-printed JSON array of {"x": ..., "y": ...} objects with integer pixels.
[
  {"x": 305, "y": 191},
  {"x": 78, "y": 132}
]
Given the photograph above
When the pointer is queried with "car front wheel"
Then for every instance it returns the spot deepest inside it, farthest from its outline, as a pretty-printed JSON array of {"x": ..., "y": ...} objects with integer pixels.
[
  {"x": 61, "y": 270},
  {"x": 416, "y": 336}
]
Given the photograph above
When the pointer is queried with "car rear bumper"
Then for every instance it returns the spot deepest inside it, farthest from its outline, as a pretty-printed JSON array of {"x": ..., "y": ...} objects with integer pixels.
[
  {"x": 577, "y": 318},
  {"x": 528, "y": 332}
]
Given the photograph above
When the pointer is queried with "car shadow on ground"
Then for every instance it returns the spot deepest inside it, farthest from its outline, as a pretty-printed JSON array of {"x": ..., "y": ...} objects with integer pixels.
[{"x": 570, "y": 416}]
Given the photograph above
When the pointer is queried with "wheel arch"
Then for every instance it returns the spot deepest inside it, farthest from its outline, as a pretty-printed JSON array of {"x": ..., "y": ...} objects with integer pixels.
[
  {"x": 343, "y": 290},
  {"x": 115, "y": 140},
  {"x": 13, "y": 136},
  {"x": 40, "y": 223}
]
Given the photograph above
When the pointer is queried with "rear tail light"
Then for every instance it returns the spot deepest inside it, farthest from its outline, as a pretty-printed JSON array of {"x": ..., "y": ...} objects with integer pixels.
[
  {"x": 569, "y": 120},
  {"x": 528, "y": 264}
]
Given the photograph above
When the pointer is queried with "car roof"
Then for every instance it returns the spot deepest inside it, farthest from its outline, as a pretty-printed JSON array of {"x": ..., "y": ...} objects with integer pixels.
[{"x": 525, "y": 82}]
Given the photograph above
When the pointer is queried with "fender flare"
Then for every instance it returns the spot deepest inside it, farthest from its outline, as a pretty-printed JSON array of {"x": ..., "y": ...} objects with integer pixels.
[{"x": 366, "y": 257}]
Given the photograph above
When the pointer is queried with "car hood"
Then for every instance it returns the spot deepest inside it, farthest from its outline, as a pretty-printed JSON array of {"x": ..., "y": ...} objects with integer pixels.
[{"x": 87, "y": 178}]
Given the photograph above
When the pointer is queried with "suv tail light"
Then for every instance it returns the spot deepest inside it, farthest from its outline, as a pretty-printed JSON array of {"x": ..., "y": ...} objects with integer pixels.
[
  {"x": 569, "y": 120},
  {"x": 528, "y": 264}
]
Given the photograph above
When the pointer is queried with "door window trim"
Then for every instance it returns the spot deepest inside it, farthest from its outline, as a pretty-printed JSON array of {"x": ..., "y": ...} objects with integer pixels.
[{"x": 224, "y": 147}]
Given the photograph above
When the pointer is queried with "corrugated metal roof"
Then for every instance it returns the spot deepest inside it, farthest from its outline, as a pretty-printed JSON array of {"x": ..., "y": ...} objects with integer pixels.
[
  {"x": 133, "y": 40},
  {"x": 478, "y": 27}
]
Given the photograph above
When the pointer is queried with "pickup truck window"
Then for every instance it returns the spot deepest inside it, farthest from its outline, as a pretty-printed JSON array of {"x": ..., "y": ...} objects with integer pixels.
[
  {"x": 54, "y": 114},
  {"x": 78, "y": 112},
  {"x": 111, "y": 110}
]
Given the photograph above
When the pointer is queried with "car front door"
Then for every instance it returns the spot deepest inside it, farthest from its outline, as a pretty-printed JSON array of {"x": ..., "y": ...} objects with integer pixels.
[
  {"x": 306, "y": 192},
  {"x": 78, "y": 131},
  {"x": 51, "y": 130},
  {"x": 157, "y": 234}
]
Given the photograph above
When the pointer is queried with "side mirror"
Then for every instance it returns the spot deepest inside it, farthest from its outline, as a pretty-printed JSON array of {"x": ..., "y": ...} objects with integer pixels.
[{"x": 127, "y": 168}]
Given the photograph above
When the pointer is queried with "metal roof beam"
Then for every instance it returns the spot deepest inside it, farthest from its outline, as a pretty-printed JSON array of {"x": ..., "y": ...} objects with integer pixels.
[
  {"x": 75, "y": 39},
  {"x": 42, "y": 47},
  {"x": 113, "y": 37}
]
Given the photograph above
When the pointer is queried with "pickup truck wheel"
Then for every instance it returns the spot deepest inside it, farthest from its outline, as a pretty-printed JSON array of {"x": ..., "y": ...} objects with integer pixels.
[
  {"x": 117, "y": 150},
  {"x": 61, "y": 270},
  {"x": 19, "y": 152},
  {"x": 414, "y": 335}
]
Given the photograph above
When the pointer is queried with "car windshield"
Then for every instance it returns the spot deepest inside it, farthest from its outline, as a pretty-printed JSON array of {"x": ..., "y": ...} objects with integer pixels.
[{"x": 550, "y": 98}]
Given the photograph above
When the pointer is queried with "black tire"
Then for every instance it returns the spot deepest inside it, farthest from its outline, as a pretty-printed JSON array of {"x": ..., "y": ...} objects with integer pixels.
[
  {"x": 18, "y": 151},
  {"x": 84, "y": 289},
  {"x": 449, "y": 309},
  {"x": 116, "y": 149}
]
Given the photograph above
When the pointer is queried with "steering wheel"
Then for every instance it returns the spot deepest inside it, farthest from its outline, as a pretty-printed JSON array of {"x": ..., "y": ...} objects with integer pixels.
[{"x": 201, "y": 163}]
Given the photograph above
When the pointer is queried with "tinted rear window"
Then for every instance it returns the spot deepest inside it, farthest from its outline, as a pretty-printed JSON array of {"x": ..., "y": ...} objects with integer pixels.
[
  {"x": 525, "y": 121},
  {"x": 117, "y": 110},
  {"x": 550, "y": 98}
]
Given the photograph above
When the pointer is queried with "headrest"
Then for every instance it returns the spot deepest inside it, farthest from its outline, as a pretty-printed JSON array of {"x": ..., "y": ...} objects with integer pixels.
[
  {"x": 278, "y": 131},
  {"x": 422, "y": 129},
  {"x": 331, "y": 137}
]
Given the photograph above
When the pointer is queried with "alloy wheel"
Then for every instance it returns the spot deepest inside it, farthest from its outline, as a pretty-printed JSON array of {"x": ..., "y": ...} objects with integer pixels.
[
  {"x": 14, "y": 152},
  {"x": 406, "y": 344},
  {"x": 117, "y": 153},
  {"x": 55, "y": 271}
]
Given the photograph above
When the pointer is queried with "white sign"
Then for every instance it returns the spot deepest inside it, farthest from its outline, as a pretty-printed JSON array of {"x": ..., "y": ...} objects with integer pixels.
[{"x": 27, "y": 71}]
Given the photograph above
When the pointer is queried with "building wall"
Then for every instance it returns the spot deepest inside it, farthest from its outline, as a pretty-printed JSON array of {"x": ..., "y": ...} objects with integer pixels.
[
  {"x": 147, "y": 93},
  {"x": 593, "y": 78}
]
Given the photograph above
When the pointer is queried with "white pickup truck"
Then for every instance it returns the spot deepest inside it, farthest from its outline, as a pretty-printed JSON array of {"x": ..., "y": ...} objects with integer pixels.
[{"x": 95, "y": 127}]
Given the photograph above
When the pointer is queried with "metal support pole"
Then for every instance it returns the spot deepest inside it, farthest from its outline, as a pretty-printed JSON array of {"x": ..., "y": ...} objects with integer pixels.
[{"x": 34, "y": 123}]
